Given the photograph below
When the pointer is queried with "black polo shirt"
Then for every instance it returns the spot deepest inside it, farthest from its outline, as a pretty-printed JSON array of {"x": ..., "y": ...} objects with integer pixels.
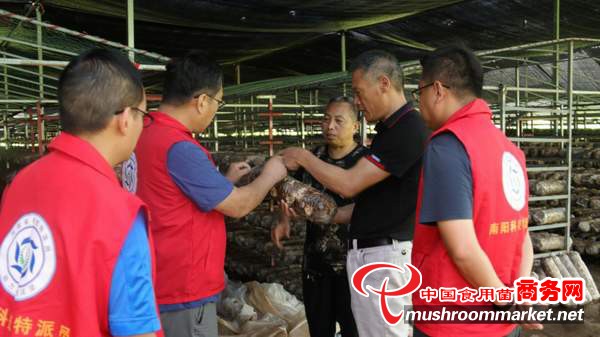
[{"x": 387, "y": 209}]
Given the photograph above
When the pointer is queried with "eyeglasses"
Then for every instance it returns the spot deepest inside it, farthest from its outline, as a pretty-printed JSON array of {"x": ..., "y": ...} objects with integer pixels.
[
  {"x": 148, "y": 119},
  {"x": 417, "y": 92},
  {"x": 221, "y": 102}
]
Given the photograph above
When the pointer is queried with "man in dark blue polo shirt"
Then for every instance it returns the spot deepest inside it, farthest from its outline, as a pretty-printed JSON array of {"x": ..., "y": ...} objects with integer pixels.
[{"x": 383, "y": 183}]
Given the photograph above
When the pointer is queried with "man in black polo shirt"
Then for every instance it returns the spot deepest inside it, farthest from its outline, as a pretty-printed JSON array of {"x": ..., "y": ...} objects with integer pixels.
[{"x": 383, "y": 183}]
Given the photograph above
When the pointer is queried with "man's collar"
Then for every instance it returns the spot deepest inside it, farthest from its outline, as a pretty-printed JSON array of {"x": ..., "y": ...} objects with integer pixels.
[
  {"x": 394, "y": 118},
  {"x": 83, "y": 151},
  {"x": 167, "y": 120}
]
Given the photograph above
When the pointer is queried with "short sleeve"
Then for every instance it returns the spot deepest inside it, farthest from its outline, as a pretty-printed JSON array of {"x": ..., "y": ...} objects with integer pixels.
[
  {"x": 132, "y": 305},
  {"x": 447, "y": 181},
  {"x": 196, "y": 176},
  {"x": 399, "y": 149}
]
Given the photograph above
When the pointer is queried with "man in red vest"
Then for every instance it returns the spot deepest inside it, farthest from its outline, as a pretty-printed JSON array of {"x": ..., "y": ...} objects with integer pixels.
[
  {"x": 472, "y": 207},
  {"x": 189, "y": 198},
  {"x": 76, "y": 257}
]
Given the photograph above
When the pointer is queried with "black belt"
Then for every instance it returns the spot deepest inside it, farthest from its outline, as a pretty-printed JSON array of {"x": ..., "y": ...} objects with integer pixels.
[{"x": 368, "y": 243}]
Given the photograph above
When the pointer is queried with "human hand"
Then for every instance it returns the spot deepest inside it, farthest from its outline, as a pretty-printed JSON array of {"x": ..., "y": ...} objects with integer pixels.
[
  {"x": 287, "y": 211},
  {"x": 524, "y": 307},
  {"x": 279, "y": 232},
  {"x": 532, "y": 326},
  {"x": 275, "y": 168},
  {"x": 529, "y": 325},
  {"x": 236, "y": 171},
  {"x": 291, "y": 157}
]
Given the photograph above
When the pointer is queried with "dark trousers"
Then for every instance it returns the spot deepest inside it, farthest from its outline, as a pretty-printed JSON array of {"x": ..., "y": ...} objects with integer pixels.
[{"x": 327, "y": 301}]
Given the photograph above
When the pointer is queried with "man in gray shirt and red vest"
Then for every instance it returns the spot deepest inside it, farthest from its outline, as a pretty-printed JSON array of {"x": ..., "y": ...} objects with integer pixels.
[{"x": 472, "y": 213}]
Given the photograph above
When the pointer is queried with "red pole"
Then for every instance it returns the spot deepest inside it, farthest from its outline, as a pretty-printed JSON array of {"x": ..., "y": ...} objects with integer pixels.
[
  {"x": 270, "y": 114},
  {"x": 153, "y": 98},
  {"x": 31, "y": 129}
]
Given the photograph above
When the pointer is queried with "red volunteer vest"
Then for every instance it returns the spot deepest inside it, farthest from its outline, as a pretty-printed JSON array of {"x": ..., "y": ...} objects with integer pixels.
[
  {"x": 500, "y": 212},
  {"x": 63, "y": 222},
  {"x": 189, "y": 243}
]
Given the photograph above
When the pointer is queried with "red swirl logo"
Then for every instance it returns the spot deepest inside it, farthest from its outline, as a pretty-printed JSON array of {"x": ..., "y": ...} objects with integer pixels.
[{"x": 413, "y": 284}]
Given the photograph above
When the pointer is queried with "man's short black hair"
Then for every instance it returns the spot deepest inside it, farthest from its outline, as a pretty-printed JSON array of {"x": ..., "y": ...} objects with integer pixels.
[
  {"x": 193, "y": 74},
  {"x": 455, "y": 66},
  {"x": 345, "y": 100},
  {"x": 95, "y": 85},
  {"x": 380, "y": 62}
]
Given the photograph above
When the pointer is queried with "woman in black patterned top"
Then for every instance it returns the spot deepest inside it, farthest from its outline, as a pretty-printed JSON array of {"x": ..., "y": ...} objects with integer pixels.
[{"x": 325, "y": 284}]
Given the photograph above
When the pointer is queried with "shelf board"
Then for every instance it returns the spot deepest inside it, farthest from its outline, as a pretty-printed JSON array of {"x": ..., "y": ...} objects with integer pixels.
[
  {"x": 549, "y": 226},
  {"x": 547, "y": 169},
  {"x": 538, "y": 140},
  {"x": 547, "y": 254},
  {"x": 549, "y": 197}
]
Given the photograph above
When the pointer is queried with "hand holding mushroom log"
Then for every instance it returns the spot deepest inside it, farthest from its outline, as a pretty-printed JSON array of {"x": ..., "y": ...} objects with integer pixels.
[
  {"x": 256, "y": 170},
  {"x": 291, "y": 157},
  {"x": 244, "y": 199},
  {"x": 282, "y": 229},
  {"x": 236, "y": 171},
  {"x": 304, "y": 200},
  {"x": 250, "y": 176}
]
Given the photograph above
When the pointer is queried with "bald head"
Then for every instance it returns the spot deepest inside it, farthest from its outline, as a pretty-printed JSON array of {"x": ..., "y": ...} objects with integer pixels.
[{"x": 348, "y": 104}]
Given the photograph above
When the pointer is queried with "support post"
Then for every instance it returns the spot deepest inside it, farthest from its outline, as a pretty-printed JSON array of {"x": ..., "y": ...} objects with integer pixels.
[
  {"x": 502, "y": 108},
  {"x": 570, "y": 144},
  {"x": 40, "y": 128},
  {"x": 238, "y": 117},
  {"x": 557, "y": 50},
  {"x": 302, "y": 129},
  {"x": 31, "y": 133},
  {"x": 270, "y": 114},
  {"x": 301, "y": 122},
  {"x": 363, "y": 131},
  {"x": 6, "y": 135},
  {"x": 253, "y": 119},
  {"x": 526, "y": 82},
  {"x": 130, "y": 29},
  {"x": 38, "y": 106},
  {"x": 40, "y": 52},
  {"x": 216, "y": 132},
  {"x": 518, "y": 85},
  {"x": 238, "y": 74},
  {"x": 343, "y": 56},
  {"x": 271, "y": 152},
  {"x": 245, "y": 135}
]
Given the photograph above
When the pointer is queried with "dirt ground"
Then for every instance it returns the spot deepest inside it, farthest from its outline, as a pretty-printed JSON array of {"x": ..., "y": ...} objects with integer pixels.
[{"x": 591, "y": 325}]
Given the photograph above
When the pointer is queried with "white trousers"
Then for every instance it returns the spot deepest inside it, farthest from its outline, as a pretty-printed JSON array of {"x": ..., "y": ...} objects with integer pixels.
[{"x": 366, "y": 310}]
